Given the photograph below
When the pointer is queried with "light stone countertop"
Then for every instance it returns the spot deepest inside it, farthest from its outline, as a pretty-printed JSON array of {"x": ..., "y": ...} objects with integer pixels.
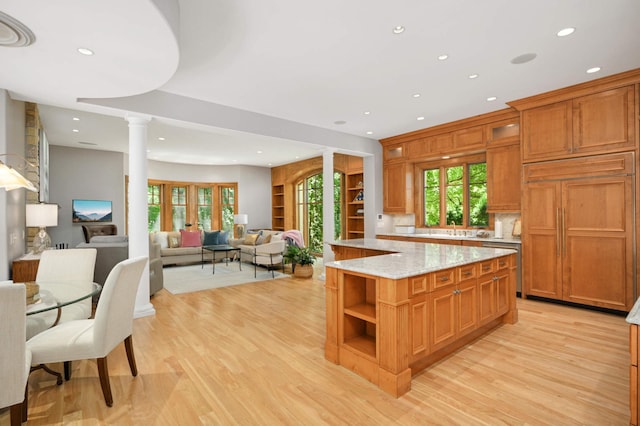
[
  {"x": 634, "y": 314},
  {"x": 411, "y": 259},
  {"x": 453, "y": 237}
]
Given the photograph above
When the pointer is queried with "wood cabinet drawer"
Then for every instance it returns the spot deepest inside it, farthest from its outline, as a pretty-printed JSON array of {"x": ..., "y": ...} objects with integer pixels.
[
  {"x": 418, "y": 285},
  {"x": 467, "y": 272},
  {"x": 443, "y": 278},
  {"x": 503, "y": 263},
  {"x": 487, "y": 267}
]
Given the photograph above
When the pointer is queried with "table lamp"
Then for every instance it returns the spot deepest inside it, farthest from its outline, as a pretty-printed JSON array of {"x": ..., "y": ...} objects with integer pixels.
[
  {"x": 240, "y": 220},
  {"x": 41, "y": 216}
]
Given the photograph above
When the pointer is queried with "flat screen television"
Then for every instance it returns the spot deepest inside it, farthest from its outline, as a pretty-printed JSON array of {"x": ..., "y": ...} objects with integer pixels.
[{"x": 91, "y": 211}]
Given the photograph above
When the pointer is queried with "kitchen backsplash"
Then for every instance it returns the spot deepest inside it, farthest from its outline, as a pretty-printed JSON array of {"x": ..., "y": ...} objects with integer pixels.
[{"x": 388, "y": 223}]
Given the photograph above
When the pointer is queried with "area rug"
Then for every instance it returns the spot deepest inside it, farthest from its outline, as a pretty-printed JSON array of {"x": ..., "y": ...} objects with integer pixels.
[{"x": 187, "y": 279}]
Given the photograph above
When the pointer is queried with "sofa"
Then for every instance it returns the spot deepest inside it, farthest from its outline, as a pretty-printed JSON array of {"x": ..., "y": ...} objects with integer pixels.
[
  {"x": 112, "y": 249},
  {"x": 185, "y": 247}
]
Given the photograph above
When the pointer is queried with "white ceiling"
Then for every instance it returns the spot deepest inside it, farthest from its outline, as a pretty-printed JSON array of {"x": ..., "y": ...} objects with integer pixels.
[{"x": 314, "y": 63}]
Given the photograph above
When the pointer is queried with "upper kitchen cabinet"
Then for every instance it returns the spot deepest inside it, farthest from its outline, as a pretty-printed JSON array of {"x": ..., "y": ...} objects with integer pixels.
[
  {"x": 397, "y": 188},
  {"x": 503, "y": 178},
  {"x": 597, "y": 123},
  {"x": 396, "y": 152}
]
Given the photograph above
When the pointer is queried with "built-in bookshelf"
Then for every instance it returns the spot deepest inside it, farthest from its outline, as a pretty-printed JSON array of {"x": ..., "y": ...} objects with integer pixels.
[
  {"x": 277, "y": 207},
  {"x": 355, "y": 205}
]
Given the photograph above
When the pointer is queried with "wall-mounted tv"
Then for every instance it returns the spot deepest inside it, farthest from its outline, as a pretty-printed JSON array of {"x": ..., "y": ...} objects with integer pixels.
[{"x": 91, "y": 211}]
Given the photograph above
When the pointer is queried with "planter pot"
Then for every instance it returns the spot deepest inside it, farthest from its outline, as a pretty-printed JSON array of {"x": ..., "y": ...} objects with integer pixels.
[{"x": 303, "y": 271}]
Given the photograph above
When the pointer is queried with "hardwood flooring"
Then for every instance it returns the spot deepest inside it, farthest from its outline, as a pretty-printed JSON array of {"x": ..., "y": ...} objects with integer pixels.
[{"x": 253, "y": 355}]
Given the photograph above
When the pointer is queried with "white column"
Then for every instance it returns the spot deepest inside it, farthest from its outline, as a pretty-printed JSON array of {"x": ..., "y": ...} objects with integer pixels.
[
  {"x": 137, "y": 207},
  {"x": 328, "y": 227}
]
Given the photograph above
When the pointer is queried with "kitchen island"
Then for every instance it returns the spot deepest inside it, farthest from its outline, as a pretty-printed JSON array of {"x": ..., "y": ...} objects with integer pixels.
[{"x": 394, "y": 307}]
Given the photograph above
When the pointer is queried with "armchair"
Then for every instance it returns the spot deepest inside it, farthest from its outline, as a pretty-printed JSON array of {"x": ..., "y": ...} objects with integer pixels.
[
  {"x": 16, "y": 359},
  {"x": 268, "y": 255}
]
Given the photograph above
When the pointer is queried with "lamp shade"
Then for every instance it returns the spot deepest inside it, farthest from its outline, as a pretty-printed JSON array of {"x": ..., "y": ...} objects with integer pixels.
[
  {"x": 42, "y": 215},
  {"x": 241, "y": 219}
]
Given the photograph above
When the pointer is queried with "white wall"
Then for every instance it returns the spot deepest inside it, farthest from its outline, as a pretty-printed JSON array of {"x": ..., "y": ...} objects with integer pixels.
[
  {"x": 12, "y": 210},
  {"x": 254, "y": 185},
  {"x": 76, "y": 173}
]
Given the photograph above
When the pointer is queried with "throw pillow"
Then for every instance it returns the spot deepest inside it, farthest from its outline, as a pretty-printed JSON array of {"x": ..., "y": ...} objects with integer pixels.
[
  {"x": 190, "y": 239},
  {"x": 263, "y": 239},
  {"x": 223, "y": 237},
  {"x": 174, "y": 239},
  {"x": 276, "y": 237},
  {"x": 162, "y": 238},
  {"x": 250, "y": 239},
  {"x": 211, "y": 238}
]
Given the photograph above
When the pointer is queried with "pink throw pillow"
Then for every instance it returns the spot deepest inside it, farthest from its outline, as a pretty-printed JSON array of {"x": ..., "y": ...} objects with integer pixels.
[{"x": 189, "y": 239}]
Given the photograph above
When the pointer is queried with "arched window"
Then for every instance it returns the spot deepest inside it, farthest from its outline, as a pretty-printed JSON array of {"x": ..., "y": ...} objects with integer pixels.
[{"x": 309, "y": 195}]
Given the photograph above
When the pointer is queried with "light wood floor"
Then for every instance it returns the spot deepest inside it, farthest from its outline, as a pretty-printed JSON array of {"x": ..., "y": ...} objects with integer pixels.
[{"x": 253, "y": 355}]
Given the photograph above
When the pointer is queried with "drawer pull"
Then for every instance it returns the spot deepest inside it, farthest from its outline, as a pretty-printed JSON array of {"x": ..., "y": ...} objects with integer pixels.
[
  {"x": 502, "y": 263},
  {"x": 443, "y": 279},
  {"x": 466, "y": 273},
  {"x": 486, "y": 268}
]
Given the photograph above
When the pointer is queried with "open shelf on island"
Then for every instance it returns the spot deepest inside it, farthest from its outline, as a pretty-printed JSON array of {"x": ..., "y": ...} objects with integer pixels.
[{"x": 364, "y": 311}]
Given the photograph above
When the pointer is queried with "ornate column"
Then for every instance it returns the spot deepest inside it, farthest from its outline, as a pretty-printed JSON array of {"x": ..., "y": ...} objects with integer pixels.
[{"x": 137, "y": 207}]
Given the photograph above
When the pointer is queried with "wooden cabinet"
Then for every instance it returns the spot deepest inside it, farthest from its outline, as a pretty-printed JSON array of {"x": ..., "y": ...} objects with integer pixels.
[
  {"x": 578, "y": 231},
  {"x": 24, "y": 270},
  {"x": 598, "y": 123},
  {"x": 355, "y": 205},
  {"x": 454, "y": 306},
  {"x": 503, "y": 178},
  {"x": 277, "y": 208},
  {"x": 397, "y": 188},
  {"x": 493, "y": 289},
  {"x": 469, "y": 140}
]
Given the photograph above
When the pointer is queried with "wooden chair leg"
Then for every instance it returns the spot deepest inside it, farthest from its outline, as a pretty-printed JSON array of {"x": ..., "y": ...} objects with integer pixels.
[
  {"x": 25, "y": 403},
  {"x": 16, "y": 414},
  {"x": 67, "y": 370},
  {"x": 103, "y": 372},
  {"x": 128, "y": 345}
]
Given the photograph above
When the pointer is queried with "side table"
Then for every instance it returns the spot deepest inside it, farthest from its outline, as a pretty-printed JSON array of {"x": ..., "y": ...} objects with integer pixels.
[{"x": 24, "y": 270}]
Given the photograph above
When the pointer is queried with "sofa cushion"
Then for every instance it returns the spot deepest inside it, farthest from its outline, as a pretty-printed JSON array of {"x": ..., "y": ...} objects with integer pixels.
[
  {"x": 190, "y": 239},
  {"x": 181, "y": 251},
  {"x": 211, "y": 238},
  {"x": 174, "y": 239},
  {"x": 250, "y": 239},
  {"x": 263, "y": 239},
  {"x": 223, "y": 237},
  {"x": 161, "y": 238}
]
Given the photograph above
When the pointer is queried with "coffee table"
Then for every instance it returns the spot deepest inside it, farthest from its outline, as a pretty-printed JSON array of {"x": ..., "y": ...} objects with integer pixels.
[{"x": 217, "y": 249}]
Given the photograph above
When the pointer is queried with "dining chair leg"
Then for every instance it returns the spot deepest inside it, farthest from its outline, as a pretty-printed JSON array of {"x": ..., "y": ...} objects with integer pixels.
[
  {"x": 16, "y": 414},
  {"x": 128, "y": 345},
  {"x": 103, "y": 372},
  {"x": 25, "y": 403},
  {"x": 67, "y": 370}
]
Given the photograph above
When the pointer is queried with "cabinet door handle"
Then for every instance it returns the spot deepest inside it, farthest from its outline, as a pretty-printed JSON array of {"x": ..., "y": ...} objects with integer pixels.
[
  {"x": 564, "y": 236},
  {"x": 496, "y": 278},
  {"x": 558, "y": 232}
]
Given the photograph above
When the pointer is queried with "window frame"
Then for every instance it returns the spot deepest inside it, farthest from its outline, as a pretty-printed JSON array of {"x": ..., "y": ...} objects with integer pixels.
[{"x": 442, "y": 164}]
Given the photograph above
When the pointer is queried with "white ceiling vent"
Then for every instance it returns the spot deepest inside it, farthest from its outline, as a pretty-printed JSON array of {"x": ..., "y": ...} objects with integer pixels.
[{"x": 14, "y": 33}]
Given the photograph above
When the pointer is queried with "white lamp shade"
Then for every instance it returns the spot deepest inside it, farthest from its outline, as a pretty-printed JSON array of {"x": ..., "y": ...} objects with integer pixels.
[
  {"x": 241, "y": 219},
  {"x": 42, "y": 215}
]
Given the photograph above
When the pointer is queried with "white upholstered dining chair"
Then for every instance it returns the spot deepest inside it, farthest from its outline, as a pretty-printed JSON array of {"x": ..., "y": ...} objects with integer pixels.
[
  {"x": 96, "y": 338},
  {"x": 15, "y": 359},
  {"x": 71, "y": 265}
]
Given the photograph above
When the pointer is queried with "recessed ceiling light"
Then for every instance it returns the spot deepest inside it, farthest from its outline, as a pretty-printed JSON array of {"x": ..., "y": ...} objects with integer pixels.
[
  {"x": 420, "y": 118},
  {"x": 160, "y": 138},
  {"x": 148, "y": 151},
  {"x": 367, "y": 113},
  {"x": 76, "y": 119},
  {"x": 491, "y": 98},
  {"x": 442, "y": 57},
  {"x": 85, "y": 51},
  {"x": 369, "y": 132},
  {"x": 297, "y": 156},
  {"x": 259, "y": 152},
  {"x": 592, "y": 70},
  {"x": 340, "y": 122},
  {"x": 472, "y": 76},
  {"x": 398, "y": 29},
  {"x": 75, "y": 130},
  {"x": 416, "y": 95},
  {"x": 565, "y": 32},
  {"x": 523, "y": 59}
]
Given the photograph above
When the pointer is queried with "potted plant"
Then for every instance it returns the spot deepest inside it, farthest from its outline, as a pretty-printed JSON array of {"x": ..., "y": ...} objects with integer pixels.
[{"x": 302, "y": 260}]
